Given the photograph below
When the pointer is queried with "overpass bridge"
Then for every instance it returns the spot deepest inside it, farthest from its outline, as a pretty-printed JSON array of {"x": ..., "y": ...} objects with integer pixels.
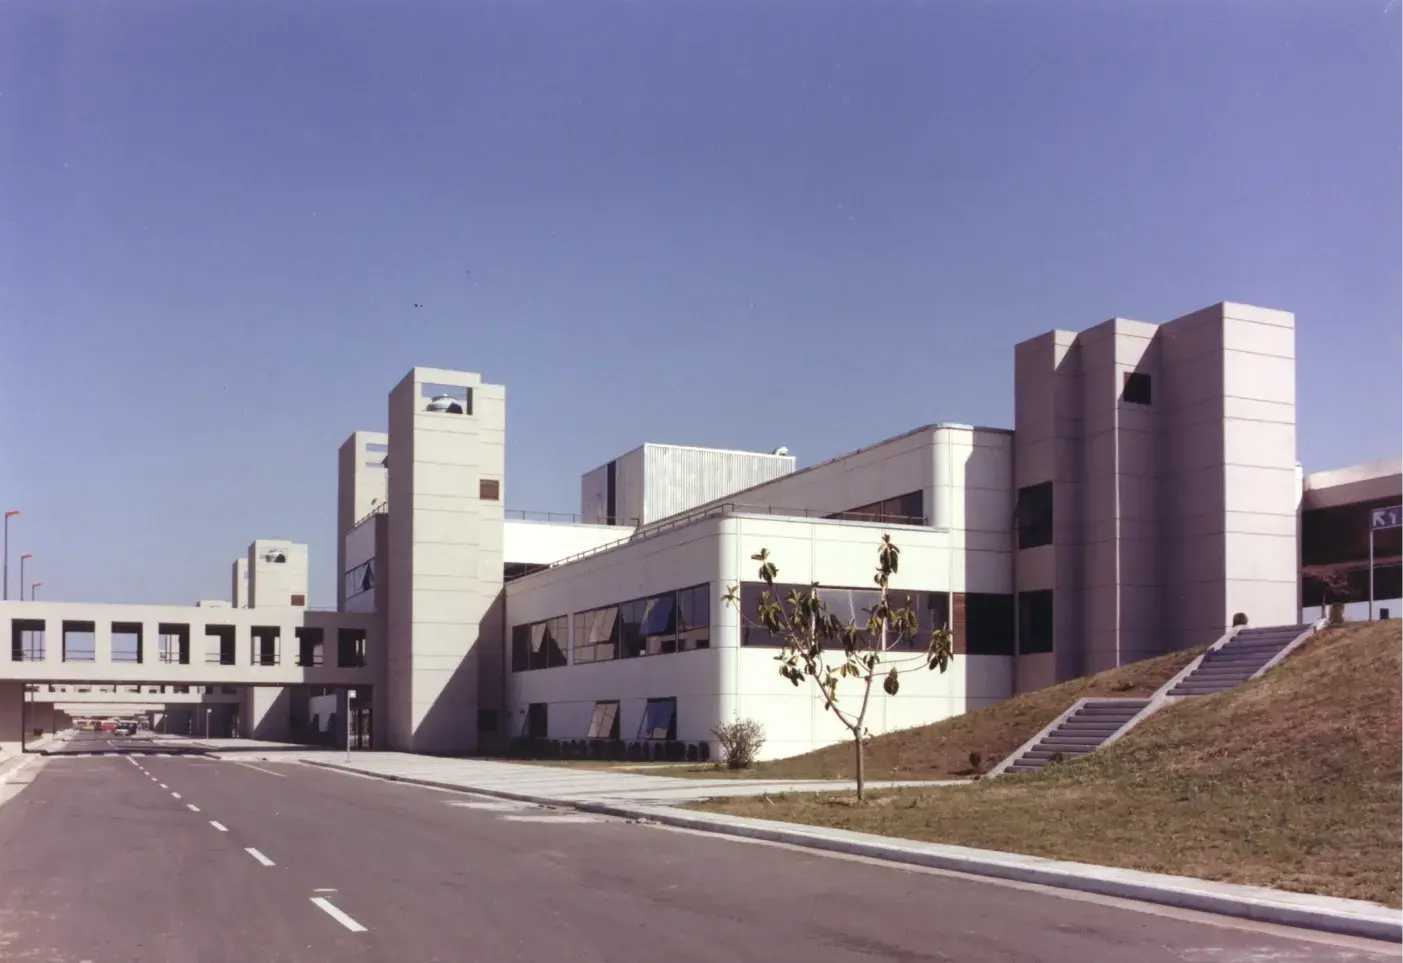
[{"x": 186, "y": 650}]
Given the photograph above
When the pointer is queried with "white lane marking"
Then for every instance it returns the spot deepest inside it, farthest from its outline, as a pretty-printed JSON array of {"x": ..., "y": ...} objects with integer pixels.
[
  {"x": 258, "y": 856},
  {"x": 324, "y": 889},
  {"x": 164, "y": 786},
  {"x": 280, "y": 775},
  {"x": 219, "y": 826},
  {"x": 496, "y": 807},
  {"x": 175, "y": 795},
  {"x": 325, "y": 905},
  {"x": 192, "y": 807},
  {"x": 562, "y": 818}
]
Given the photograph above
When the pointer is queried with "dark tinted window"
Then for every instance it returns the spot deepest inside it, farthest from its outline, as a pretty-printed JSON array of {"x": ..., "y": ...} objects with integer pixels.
[
  {"x": 1137, "y": 389},
  {"x": 597, "y": 635},
  {"x": 521, "y": 648},
  {"x": 1035, "y": 621},
  {"x": 659, "y": 720},
  {"x": 1035, "y": 515},
  {"x": 988, "y": 624}
]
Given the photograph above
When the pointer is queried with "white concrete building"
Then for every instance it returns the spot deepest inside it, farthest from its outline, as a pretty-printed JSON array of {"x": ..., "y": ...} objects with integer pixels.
[{"x": 1146, "y": 493}]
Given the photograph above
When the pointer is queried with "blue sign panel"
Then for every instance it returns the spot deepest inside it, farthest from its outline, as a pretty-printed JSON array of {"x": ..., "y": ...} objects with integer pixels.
[{"x": 1386, "y": 518}]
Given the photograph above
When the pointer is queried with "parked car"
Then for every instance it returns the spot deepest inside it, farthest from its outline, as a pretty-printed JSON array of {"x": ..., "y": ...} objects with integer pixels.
[{"x": 122, "y": 730}]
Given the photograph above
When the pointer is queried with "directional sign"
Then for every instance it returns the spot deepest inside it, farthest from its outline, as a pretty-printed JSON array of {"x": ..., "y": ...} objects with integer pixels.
[{"x": 1386, "y": 518}]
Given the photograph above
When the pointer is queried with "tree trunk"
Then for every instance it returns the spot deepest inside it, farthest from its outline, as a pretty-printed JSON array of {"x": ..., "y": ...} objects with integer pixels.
[{"x": 857, "y": 743}]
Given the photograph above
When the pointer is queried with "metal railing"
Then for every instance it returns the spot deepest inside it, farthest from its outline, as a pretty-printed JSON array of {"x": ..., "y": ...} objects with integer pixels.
[
  {"x": 565, "y": 517},
  {"x": 733, "y": 508},
  {"x": 379, "y": 509}
]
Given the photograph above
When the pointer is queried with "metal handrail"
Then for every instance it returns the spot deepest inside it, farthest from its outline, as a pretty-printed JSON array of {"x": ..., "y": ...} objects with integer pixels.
[{"x": 732, "y": 508}]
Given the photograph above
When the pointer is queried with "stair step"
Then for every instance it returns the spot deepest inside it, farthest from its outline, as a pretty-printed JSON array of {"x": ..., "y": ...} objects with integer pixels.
[
  {"x": 1215, "y": 671},
  {"x": 1077, "y": 747}
]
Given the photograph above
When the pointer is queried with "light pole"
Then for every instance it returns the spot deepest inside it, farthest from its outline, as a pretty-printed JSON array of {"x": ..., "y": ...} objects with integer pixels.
[
  {"x": 13, "y": 511},
  {"x": 21, "y": 573},
  {"x": 32, "y": 587}
]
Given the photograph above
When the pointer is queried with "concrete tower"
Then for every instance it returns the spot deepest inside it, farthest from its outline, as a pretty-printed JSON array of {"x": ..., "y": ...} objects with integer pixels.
[{"x": 444, "y": 631}]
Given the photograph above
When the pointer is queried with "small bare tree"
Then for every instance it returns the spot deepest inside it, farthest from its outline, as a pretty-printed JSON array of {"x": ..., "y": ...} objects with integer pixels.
[{"x": 862, "y": 652}]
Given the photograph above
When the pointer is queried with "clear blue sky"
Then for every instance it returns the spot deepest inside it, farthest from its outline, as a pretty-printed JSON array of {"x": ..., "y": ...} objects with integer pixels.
[{"x": 735, "y": 224}]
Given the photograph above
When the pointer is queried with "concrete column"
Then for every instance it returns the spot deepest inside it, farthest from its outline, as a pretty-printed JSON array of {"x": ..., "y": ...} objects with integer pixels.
[
  {"x": 102, "y": 643},
  {"x": 265, "y": 713},
  {"x": 11, "y": 718}
]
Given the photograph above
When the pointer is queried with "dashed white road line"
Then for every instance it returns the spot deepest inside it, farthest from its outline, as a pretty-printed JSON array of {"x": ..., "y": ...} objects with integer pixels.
[
  {"x": 258, "y": 856},
  {"x": 176, "y": 795},
  {"x": 219, "y": 826},
  {"x": 192, "y": 807},
  {"x": 325, "y": 905},
  {"x": 164, "y": 786}
]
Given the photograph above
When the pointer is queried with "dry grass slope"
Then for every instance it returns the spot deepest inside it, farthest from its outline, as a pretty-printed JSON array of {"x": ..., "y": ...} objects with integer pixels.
[
  {"x": 941, "y": 750},
  {"x": 1291, "y": 781}
]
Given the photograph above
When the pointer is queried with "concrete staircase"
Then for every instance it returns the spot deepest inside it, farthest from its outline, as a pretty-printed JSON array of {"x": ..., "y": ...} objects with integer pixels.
[
  {"x": 1242, "y": 657},
  {"x": 1090, "y": 723},
  {"x": 1239, "y": 655}
]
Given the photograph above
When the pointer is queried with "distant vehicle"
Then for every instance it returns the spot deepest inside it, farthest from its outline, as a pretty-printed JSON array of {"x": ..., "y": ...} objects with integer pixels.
[{"x": 123, "y": 730}]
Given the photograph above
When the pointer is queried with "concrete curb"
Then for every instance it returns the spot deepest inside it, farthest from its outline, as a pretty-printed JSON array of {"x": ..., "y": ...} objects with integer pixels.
[{"x": 1259, "y": 904}]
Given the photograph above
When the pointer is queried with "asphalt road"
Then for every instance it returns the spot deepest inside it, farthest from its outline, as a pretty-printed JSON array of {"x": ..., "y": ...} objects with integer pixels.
[{"x": 134, "y": 857}]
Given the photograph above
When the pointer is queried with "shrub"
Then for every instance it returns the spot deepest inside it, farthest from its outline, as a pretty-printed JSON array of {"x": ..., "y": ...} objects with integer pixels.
[
  {"x": 740, "y": 742},
  {"x": 976, "y": 764},
  {"x": 1239, "y": 619}
]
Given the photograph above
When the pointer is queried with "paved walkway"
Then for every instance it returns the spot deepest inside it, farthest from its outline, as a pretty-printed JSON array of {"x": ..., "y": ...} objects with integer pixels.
[{"x": 568, "y": 785}]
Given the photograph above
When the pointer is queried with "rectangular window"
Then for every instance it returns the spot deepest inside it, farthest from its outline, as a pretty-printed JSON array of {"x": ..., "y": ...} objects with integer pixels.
[
  {"x": 597, "y": 635},
  {"x": 1035, "y": 621},
  {"x": 694, "y": 618},
  {"x": 173, "y": 645},
  {"x": 988, "y": 624},
  {"x": 126, "y": 642},
  {"x": 360, "y": 579},
  {"x": 659, "y": 720},
  {"x": 489, "y": 489},
  {"x": 907, "y": 509},
  {"x": 1035, "y": 515},
  {"x": 378, "y": 447},
  {"x": 659, "y": 627},
  {"x": 264, "y": 643},
  {"x": 446, "y": 399},
  {"x": 631, "y": 629},
  {"x": 1136, "y": 389},
  {"x": 604, "y": 723},
  {"x": 350, "y": 648},
  {"x": 537, "y": 721},
  {"x": 541, "y": 645},
  {"x": 219, "y": 644},
  {"x": 299, "y": 600},
  {"x": 752, "y": 633},
  {"x": 375, "y": 463},
  {"x": 27, "y": 640},
  {"x": 521, "y": 648},
  {"x": 79, "y": 642},
  {"x": 310, "y": 651}
]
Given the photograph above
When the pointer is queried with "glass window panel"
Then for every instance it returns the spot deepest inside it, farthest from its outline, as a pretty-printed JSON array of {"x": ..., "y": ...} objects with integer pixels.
[
  {"x": 521, "y": 648},
  {"x": 630, "y": 629}
]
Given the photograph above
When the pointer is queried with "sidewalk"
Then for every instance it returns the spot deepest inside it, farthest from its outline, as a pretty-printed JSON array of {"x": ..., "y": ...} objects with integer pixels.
[
  {"x": 633, "y": 796},
  {"x": 565, "y": 785}
]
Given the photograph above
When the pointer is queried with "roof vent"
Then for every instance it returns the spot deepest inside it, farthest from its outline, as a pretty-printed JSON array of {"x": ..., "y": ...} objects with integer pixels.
[{"x": 781, "y": 450}]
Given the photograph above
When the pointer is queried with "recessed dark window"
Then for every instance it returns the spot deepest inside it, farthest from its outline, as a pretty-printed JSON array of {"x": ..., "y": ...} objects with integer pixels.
[
  {"x": 988, "y": 623},
  {"x": 1035, "y": 621},
  {"x": 489, "y": 489},
  {"x": 1136, "y": 390},
  {"x": 1035, "y": 515},
  {"x": 299, "y": 600}
]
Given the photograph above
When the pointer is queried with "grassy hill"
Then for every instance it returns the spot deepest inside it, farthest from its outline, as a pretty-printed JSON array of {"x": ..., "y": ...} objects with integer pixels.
[
  {"x": 941, "y": 750},
  {"x": 1291, "y": 781}
]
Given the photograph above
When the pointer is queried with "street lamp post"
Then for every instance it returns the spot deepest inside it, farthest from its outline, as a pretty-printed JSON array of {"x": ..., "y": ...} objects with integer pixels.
[
  {"x": 21, "y": 573},
  {"x": 32, "y": 587},
  {"x": 13, "y": 511}
]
